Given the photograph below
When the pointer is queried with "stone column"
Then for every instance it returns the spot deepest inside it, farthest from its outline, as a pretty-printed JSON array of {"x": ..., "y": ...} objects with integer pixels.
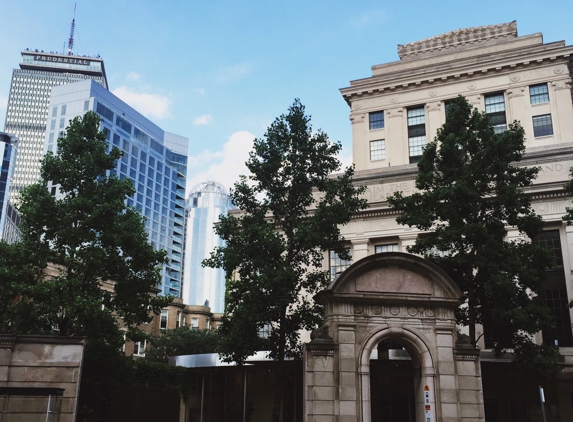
[
  {"x": 562, "y": 109},
  {"x": 434, "y": 111},
  {"x": 470, "y": 392},
  {"x": 359, "y": 249},
  {"x": 319, "y": 385}
]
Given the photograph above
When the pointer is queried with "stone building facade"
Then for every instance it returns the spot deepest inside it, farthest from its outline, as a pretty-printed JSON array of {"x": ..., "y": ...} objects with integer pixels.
[{"x": 394, "y": 113}]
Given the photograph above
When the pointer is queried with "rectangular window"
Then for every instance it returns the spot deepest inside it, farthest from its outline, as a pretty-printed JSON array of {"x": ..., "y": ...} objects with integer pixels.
[
  {"x": 123, "y": 124},
  {"x": 376, "y": 120},
  {"x": 55, "y": 111},
  {"x": 53, "y": 124},
  {"x": 104, "y": 112},
  {"x": 139, "y": 348},
  {"x": 393, "y": 247},
  {"x": 416, "y": 133},
  {"x": 377, "y": 150},
  {"x": 555, "y": 293},
  {"x": 178, "y": 320},
  {"x": 538, "y": 94},
  {"x": 62, "y": 122},
  {"x": 542, "y": 125},
  {"x": 163, "y": 320},
  {"x": 64, "y": 108},
  {"x": 86, "y": 105},
  {"x": 495, "y": 111},
  {"x": 337, "y": 265},
  {"x": 194, "y": 323}
]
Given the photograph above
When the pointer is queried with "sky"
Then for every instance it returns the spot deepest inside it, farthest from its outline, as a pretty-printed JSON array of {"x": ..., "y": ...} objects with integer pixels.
[{"x": 219, "y": 72}]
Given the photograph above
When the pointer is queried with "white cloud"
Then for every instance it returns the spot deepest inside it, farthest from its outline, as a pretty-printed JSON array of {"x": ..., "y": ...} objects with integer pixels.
[
  {"x": 234, "y": 72},
  {"x": 133, "y": 76},
  {"x": 223, "y": 166},
  {"x": 153, "y": 106},
  {"x": 345, "y": 158},
  {"x": 202, "y": 120}
]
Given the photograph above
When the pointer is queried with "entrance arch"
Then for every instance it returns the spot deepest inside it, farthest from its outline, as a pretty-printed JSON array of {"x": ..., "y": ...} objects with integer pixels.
[{"x": 400, "y": 297}]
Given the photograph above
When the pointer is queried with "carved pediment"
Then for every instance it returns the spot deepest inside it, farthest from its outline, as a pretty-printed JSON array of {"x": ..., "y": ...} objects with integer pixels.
[{"x": 393, "y": 280}]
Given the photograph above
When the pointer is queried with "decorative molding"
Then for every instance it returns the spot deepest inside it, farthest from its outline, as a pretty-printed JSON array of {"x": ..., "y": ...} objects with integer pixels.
[
  {"x": 561, "y": 84},
  {"x": 395, "y": 112},
  {"x": 516, "y": 92},
  {"x": 458, "y": 38},
  {"x": 434, "y": 106}
]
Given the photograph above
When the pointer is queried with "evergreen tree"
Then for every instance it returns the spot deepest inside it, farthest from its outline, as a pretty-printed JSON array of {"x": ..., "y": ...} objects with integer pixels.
[
  {"x": 471, "y": 189},
  {"x": 291, "y": 210},
  {"x": 87, "y": 236}
]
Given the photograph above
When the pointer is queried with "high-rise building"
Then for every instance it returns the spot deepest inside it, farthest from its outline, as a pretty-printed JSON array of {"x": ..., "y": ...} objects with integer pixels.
[
  {"x": 27, "y": 110},
  {"x": 154, "y": 160},
  {"x": 9, "y": 218},
  {"x": 204, "y": 286}
]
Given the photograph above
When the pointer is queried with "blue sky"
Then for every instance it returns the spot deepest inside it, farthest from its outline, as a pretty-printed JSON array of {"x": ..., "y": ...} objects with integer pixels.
[{"x": 220, "y": 71}]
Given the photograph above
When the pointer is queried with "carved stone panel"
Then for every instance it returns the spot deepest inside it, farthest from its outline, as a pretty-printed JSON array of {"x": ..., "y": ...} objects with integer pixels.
[{"x": 393, "y": 280}]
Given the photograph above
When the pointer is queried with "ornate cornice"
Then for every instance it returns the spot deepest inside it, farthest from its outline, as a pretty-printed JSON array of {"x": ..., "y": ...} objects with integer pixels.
[{"x": 458, "y": 38}]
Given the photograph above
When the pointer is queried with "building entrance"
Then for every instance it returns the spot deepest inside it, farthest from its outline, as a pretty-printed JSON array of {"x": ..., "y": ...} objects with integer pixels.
[
  {"x": 388, "y": 350},
  {"x": 392, "y": 384}
]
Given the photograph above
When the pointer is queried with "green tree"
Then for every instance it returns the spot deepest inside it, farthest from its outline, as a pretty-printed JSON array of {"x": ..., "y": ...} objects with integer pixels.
[
  {"x": 471, "y": 188},
  {"x": 291, "y": 210},
  {"x": 181, "y": 341},
  {"x": 88, "y": 236}
]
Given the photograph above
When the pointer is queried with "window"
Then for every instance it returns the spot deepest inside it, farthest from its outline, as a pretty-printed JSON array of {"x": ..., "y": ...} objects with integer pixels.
[
  {"x": 139, "y": 348},
  {"x": 64, "y": 107},
  {"x": 337, "y": 265},
  {"x": 55, "y": 111},
  {"x": 104, "y": 112},
  {"x": 377, "y": 150},
  {"x": 376, "y": 120},
  {"x": 178, "y": 320},
  {"x": 53, "y": 124},
  {"x": 86, "y": 105},
  {"x": 123, "y": 124},
  {"x": 495, "y": 111},
  {"x": 555, "y": 293},
  {"x": 393, "y": 247},
  {"x": 163, "y": 320},
  {"x": 538, "y": 94},
  {"x": 416, "y": 133},
  {"x": 62, "y": 122},
  {"x": 542, "y": 125},
  {"x": 194, "y": 323}
]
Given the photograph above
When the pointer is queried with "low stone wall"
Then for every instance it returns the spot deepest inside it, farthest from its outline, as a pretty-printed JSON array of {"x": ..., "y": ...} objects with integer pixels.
[{"x": 40, "y": 374}]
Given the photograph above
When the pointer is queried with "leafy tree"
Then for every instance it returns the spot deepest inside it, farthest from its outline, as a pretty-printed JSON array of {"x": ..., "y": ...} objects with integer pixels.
[
  {"x": 470, "y": 191},
  {"x": 181, "y": 341},
  {"x": 87, "y": 235},
  {"x": 291, "y": 210}
]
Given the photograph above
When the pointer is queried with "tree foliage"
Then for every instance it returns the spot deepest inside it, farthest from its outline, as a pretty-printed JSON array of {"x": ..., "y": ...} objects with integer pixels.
[
  {"x": 568, "y": 218},
  {"x": 291, "y": 210},
  {"x": 88, "y": 236},
  {"x": 471, "y": 188},
  {"x": 181, "y": 341}
]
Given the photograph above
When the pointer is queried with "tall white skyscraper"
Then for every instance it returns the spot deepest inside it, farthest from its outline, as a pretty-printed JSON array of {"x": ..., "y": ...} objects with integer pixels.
[
  {"x": 9, "y": 218},
  {"x": 205, "y": 204},
  {"x": 27, "y": 110}
]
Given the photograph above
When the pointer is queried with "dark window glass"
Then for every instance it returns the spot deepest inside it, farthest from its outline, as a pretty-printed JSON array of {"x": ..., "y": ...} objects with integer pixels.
[
  {"x": 416, "y": 133},
  {"x": 538, "y": 94},
  {"x": 104, "y": 112},
  {"x": 337, "y": 265},
  {"x": 376, "y": 120},
  {"x": 123, "y": 124},
  {"x": 542, "y": 125},
  {"x": 495, "y": 111}
]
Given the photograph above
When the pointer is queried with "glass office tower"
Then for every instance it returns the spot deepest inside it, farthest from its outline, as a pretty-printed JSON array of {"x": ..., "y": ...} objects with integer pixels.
[
  {"x": 154, "y": 160},
  {"x": 27, "y": 110},
  {"x": 9, "y": 218},
  {"x": 204, "y": 286}
]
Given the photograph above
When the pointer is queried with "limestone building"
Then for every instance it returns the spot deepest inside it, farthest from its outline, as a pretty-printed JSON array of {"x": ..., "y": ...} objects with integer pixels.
[{"x": 394, "y": 113}]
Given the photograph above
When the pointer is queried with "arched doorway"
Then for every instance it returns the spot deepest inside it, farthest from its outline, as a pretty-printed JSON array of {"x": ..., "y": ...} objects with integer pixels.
[{"x": 404, "y": 299}]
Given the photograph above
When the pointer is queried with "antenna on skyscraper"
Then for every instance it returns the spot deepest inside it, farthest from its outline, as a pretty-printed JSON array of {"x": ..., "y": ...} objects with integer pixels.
[{"x": 71, "y": 40}]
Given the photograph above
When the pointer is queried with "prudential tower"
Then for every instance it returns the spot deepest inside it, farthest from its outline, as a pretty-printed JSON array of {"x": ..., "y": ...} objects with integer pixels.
[{"x": 201, "y": 286}]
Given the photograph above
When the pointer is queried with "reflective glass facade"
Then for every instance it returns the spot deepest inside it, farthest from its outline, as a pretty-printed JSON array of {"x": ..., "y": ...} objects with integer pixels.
[
  {"x": 154, "y": 160},
  {"x": 27, "y": 110},
  {"x": 205, "y": 204},
  {"x": 9, "y": 218}
]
